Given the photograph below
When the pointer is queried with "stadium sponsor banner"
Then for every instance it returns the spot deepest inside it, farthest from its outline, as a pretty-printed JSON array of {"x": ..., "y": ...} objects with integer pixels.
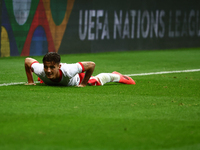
[
  {"x": 35, "y": 27},
  {"x": 116, "y": 25}
]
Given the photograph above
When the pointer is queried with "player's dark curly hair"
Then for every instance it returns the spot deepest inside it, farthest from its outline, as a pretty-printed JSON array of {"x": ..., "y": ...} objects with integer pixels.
[{"x": 52, "y": 57}]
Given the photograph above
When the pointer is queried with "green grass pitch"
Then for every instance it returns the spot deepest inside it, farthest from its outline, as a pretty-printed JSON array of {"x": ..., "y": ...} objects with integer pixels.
[{"x": 160, "y": 112}]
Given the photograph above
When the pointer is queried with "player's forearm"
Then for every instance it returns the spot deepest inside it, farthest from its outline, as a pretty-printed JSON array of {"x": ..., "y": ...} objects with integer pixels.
[
  {"x": 88, "y": 74},
  {"x": 89, "y": 68},
  {"x": 29, "y": 74}
]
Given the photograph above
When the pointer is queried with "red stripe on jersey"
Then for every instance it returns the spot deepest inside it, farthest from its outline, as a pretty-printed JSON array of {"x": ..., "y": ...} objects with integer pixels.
[
  {"x": 32, "y": 64},
  {"x": 60, "y": 78},
  {"x": 83, "y": 69},
  {"x": 60, "y": 75}
]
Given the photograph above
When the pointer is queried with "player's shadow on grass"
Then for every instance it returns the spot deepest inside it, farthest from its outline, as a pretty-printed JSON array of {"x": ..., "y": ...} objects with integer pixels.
[{"x": 108, "y": 84}]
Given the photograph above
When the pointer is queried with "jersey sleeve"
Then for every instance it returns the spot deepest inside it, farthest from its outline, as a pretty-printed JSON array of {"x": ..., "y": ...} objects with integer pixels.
[
  {"x": 32, "y": 64},
  {"x": 37, "y": 68},
  {"x": 83, "y": 69}
]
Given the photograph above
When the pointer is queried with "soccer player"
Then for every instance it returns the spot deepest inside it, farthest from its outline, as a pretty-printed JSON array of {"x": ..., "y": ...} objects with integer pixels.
[{"x": 52, "y": 72}]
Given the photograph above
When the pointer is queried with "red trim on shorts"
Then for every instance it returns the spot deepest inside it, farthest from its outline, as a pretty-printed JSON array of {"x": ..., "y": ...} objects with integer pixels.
[
  {"x": 83, "y": 69},
  {"x": 32, "y": 64},
  {"x": 92, "y": 81}
]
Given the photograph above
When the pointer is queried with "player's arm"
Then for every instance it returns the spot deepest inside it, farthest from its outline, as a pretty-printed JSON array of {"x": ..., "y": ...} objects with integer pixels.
[
  {"x": 89, "y": 68},
  {"x": 29, "y": 74}
]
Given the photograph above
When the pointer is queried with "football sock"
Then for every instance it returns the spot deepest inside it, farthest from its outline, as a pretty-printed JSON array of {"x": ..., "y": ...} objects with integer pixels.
[{"x": 108, "y": 77}]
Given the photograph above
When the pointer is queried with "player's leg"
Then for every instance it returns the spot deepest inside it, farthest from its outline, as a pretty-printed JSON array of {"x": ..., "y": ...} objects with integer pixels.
[
  {"x": 104, "y": 78},
  {"x": 124, "y": 79},
  {"x": 107, "y": 77}
]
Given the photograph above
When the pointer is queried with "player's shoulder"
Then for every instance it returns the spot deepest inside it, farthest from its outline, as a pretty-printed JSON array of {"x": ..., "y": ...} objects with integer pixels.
[
  {"x": 36, "y": 66},
  {"x": 68, "y": 67}
]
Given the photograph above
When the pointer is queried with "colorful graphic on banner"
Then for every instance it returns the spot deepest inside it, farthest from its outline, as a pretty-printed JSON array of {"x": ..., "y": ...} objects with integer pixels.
[
  {"x": 5, "y": 48},
  {"x": 8, "y": 43},
  {"x": 20, "y": 15},
  {"x": 33, "y": 27},
  {"x": 39, "y": 20},
  {"x": 58, "y": 19},
  {"x": 21, "y": 10}
]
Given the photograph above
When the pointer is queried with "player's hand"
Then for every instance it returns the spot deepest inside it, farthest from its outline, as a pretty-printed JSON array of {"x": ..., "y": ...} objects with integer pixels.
[
  {"x": 30, "y": 84},
  {"x": 81, "y": 85}
]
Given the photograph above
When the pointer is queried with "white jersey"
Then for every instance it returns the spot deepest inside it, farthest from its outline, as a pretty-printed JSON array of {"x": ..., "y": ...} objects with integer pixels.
[{"x": 69, "y": 74}]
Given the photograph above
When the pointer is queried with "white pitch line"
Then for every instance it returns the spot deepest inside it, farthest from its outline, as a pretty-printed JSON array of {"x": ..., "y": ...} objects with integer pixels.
[
  {"x": 163, "y": 72},
  {"x": 140, "y": 74},
  {"x": 14, "y": 83}
]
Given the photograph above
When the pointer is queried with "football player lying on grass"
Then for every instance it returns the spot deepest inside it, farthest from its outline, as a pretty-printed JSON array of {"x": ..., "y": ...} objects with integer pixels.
[{"x": 52, "y": 72}]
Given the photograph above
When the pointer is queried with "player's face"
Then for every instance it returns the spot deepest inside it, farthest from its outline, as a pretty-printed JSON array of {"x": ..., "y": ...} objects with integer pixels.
[{"x": 52, "y": 70}]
